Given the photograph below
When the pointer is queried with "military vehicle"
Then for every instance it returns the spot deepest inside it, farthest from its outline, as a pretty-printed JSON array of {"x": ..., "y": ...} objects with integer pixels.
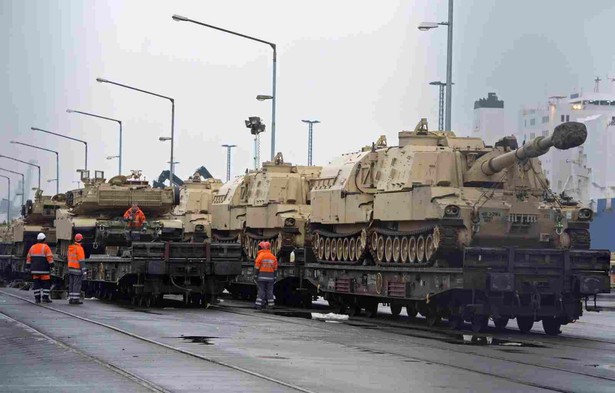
[
  {"x": 6, "y": 251},
  {"x": 96, "y": 211},
  {"x": 194, "y": 209},
  {"x": 270, "y": 204},
  {"x": 453, "y": 228},
  {"x": 36, "y": 216}
]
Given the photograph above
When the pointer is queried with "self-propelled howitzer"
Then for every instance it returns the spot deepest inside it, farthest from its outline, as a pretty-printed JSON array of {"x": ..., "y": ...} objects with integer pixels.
[{"x": 424, "y": 201}]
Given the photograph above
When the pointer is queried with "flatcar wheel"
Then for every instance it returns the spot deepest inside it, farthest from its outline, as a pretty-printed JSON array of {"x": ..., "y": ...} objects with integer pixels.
[
  {"x": 354, "y": 310},
  {"x": 433, "y": 318},
  {"x": 411, "y": 310},
  {"x": 388, "y": 249},
  {"x": 455, "y": 322},
  {"x": 395, "y": 309},
  {"x": 500, "y": 322},
  {"x": 396, "y": 249},
  {"x": 412, "y": 249},
  {"x": 551, "y": 326},
  {"x": 371, "y": 309},
  {"x": 479, "y": 323},
  {"x": 525, "y": 324}
]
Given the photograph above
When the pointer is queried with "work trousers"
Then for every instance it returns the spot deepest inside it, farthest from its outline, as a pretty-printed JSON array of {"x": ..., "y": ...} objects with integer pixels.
[
  {"x": 74, "y": 286},
  {"x": 265, "y": 294},
  {"x": 41, "y": 287}
]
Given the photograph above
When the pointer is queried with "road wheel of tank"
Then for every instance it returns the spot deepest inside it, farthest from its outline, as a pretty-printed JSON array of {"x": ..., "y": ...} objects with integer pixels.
[
  {"x": 500, "y": 322},
  {"x": 352, "y": 249},
  {"x": 346, "y": 246},
  {"x": 412, "y": 249},
  {"x": 396, "y": 249},
  {"x": 551, "y": 326},
  {"x": 479, "y": 323},
  {"x": 436, "y": 237},
  {"x": 321, "y": 249},
  {"x": 333, "y": 250},
  {"x": 403, "y": 249},
  {"x": 388, "y": 249},
  {"x": 327, "y": 249},
  {"x": 375, "y": 241},
  {"x": 429, "y": 248},
  {"x": 340, "y": 249},
  {"x": 525, "y": 324},
  {"x": 360, "y": 247},
  {"x": 411, "y": 310},
  {"x": 371, "y": 309},
  {"x": 380, "y": 252},
  {"x": 420, "y": 249},
  {"x": 316, "y": 243},
  {"x": 395, "y": 309}
]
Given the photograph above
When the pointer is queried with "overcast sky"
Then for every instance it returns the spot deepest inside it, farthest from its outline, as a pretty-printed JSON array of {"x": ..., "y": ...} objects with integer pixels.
[{"x": 360, "y": 67}]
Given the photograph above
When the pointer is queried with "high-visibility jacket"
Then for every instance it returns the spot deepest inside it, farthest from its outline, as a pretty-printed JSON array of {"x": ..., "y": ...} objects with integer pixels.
[
  {"x": 76, "y": 257},
  {"x": 40, "y": 261},
  {"x": 137, "y": 218},
  {"x": 265, "y": 265}
]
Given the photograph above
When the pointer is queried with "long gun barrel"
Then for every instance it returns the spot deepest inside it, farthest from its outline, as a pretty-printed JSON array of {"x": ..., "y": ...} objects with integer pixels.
[{"x": 566, "y": 136}]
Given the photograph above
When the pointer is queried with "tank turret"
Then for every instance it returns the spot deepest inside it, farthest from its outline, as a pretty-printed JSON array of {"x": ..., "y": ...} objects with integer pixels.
[{"x": 566, "y": 136}]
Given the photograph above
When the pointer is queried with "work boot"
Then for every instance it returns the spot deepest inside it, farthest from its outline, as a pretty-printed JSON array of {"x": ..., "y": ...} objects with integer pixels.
[
  {"x": 37, "y": 300},
  {"x": 47, "y": 300},
  {"x": 71, "y": 301},
  {"x": 77, "y": 301}
]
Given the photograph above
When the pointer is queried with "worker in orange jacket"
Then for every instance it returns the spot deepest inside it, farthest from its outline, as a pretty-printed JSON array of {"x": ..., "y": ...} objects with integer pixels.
[
  {"x": 265, "y": 272},
  {"x": 39, "y": 263},
  {"x": 76, "y": 270},
  {"x": 135, "y": 217}
]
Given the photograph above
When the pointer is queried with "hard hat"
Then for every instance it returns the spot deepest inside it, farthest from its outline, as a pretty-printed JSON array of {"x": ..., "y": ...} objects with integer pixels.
[
  {"x": 78, "y": 237},
  {"x": 40, "y": 236},
  {"x": 264, "y": 245}
]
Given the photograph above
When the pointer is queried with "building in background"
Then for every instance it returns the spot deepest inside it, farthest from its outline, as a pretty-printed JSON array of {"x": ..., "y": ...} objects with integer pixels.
[
  {"x": 586, "y": 173},
  {"x": 489, "y": 119}
]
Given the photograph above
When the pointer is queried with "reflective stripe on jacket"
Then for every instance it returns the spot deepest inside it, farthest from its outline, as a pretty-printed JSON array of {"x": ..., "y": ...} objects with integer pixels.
[
  {"x": 40, "y": 259},
  {"x": 76, "y": 255},
  {"x": 266, "y": 265}
]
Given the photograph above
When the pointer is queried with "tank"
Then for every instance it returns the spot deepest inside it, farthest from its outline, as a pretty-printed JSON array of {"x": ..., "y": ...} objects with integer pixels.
[
  {"x": 423, "y": 201},
  {"x": 194, "y": 209},
  {"x": 36, "y": 216},
  {"x": 96, "y": 212},
  {"x": 270, "y": 204}
]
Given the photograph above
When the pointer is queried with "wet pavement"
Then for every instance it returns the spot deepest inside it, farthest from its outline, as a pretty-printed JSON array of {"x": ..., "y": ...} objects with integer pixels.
[{"x": 317, "y": 354}]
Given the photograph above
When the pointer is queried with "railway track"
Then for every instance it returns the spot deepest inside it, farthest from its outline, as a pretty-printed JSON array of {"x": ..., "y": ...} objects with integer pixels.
[{"x": 145, "y": 383}]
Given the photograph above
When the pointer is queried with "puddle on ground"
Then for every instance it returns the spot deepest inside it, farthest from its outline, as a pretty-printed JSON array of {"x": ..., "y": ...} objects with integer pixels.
[
  {"x": 470, "y": 339},
  {"x": 205, "y": 340}
]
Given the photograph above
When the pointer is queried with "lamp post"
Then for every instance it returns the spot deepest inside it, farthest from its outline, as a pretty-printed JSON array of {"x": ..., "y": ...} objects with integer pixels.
[
  {"x": 228, "y": 160},
  {"x": 179, "y": 18},
  {"x": 310, "y": 138},
  {"x": 66, "y": 137},
  {"x": 57, "y": 163},
  {"x": 440, "y": 103},
  {"x": 28, "y": 163},
  {"x": 172, "y": 138},
  {"x": 105, "y": 118},
  {"x": 449, "y": 59},
  {"x": 8, "y": 199},
  {"x": 22, "y": 182}
]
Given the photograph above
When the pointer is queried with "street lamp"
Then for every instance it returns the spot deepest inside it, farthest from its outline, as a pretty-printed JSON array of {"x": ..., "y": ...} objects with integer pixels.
[
  {"x": 105, "y": 118},
  {"x": 22, "y": 182},
  {"x": 8, "y": 199},
  {"x": 101, "y": 80},
  {"x": 67, "y": 137},
  {"x": 310, "y": 138},
  {"x": 440, "y": 103},
  {"x": 228, "y": 160},
  {"x": 179, "y": 18},
  {"x": 256, "y": 128},
  {"x": 57, "y": 163},
  {"x": 449, "y": 59},
  {"x": 28, "y": 163}
]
